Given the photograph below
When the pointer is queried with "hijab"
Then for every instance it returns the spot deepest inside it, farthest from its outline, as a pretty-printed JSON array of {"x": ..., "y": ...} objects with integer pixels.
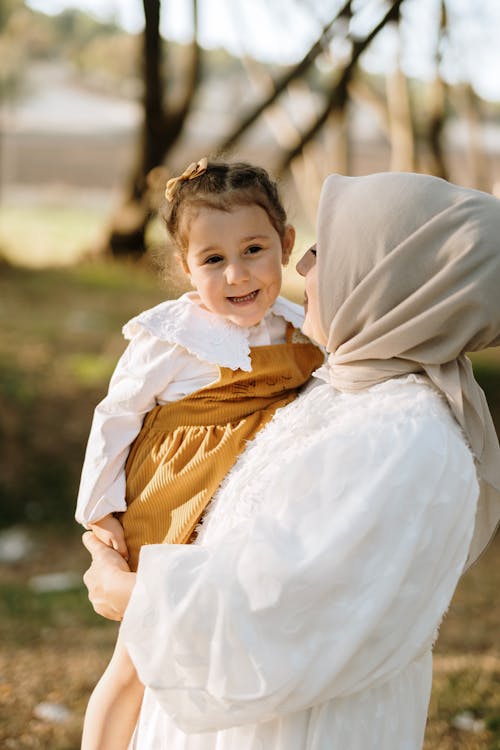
[{"x": 409, "y": 280}]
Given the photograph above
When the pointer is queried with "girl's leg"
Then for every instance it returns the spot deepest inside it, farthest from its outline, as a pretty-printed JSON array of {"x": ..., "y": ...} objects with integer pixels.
[{"x": 114, "y": 705}]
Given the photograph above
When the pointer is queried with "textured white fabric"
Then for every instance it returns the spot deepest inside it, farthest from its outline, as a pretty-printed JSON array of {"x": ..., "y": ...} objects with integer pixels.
[
  {"x": 174, "y": 350},
  {"x": 304, "y": 617}
]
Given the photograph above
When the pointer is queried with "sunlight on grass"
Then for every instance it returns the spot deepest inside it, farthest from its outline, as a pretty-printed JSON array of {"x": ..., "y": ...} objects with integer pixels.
[
  {"x": 37, "y": 237},
  {"x": 40, "y": 236}
]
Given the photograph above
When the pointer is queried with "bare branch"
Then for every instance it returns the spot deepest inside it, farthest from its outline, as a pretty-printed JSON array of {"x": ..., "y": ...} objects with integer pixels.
[
  {"x": 339, "y": 93},
  {"x": 282, "y": 84}
]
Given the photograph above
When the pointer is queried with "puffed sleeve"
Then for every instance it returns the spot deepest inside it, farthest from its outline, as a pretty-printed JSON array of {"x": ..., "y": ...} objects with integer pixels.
[
  {"x": 339, "y": 581},
  {"x": 144, "y": 370}
]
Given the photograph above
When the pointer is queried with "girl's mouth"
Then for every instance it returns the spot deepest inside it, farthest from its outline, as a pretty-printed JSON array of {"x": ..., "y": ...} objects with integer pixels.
[{"x": 245, "y": 298}]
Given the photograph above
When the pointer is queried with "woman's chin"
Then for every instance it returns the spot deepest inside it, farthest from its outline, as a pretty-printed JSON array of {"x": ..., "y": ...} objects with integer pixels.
[{"x": 311, "y": 331}]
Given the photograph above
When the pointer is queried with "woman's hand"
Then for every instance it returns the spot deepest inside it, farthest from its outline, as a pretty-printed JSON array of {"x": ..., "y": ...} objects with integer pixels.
[{"x": 109, "y": 580}]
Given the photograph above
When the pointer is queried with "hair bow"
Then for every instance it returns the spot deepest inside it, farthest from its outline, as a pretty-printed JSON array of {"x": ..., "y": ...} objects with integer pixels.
[{"x": 194, "y": 170}]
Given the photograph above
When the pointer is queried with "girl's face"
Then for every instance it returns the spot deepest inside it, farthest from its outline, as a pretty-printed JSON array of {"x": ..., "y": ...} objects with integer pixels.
[
  {"x": 234, "y": 261},
  {"x": 307, "y": 267}
]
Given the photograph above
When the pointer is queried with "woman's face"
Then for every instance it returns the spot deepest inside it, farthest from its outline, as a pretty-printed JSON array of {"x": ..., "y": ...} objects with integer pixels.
[{"x": 312, "y": 324}]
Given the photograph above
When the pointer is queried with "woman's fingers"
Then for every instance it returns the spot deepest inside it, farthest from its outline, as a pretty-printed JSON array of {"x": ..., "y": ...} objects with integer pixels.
[
  {"x": 112, "y": 539},
  {"x": 98, "y": 596},
  {"x": 91, "y": 542},
  {"x": 109, "y": 590}
]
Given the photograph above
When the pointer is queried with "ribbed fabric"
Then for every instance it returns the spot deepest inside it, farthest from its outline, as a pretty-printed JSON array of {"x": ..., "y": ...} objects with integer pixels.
[{"x": 186, "y": 448}]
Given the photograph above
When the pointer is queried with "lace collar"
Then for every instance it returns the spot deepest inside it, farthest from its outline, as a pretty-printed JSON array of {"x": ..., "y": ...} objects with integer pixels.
[{"x": 210, "y": 337}]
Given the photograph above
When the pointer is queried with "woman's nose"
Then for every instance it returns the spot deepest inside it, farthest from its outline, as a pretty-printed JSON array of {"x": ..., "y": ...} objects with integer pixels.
[{"x": 305, "y": 263}]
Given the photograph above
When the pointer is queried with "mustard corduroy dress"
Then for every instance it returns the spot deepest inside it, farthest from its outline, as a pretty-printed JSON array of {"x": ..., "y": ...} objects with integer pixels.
[{"x": 185, "y": 448}]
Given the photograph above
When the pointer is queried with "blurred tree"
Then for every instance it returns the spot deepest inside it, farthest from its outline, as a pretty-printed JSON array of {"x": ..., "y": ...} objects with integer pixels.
[
  {"x": 302, "y": 152},
  {"x": 163, "y": 122},
  {"x": 7, "y": 7},
  {"x": 23, "y": 36},
  {"x": 111, "y": 63},
  {"x": 438, "y": 104},
  {"x": 400, "y": 117},
  {"x": 470, "y": 106},
  {"x": 278, "y": 87},
  {"x": 307, "y": 105},
  {"x": 337, "y": 96}
]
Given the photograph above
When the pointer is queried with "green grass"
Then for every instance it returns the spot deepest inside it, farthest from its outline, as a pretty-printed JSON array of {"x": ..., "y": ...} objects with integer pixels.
[
  {"x": 24, "y": 613},
  {"x": 48, "y": 235},
  {"x": 60, "y": 338}
]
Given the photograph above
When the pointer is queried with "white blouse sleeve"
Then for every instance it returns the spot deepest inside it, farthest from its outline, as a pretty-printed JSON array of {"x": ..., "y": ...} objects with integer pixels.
[
  {"x": 339, "y": 583},
  {"x": 144, "y": 370}
]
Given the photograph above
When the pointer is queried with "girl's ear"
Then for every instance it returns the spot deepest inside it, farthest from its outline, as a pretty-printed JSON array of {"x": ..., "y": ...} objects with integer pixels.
[
  {"x": 287, "y": 243},
  {"x": 183, "y": 263}
]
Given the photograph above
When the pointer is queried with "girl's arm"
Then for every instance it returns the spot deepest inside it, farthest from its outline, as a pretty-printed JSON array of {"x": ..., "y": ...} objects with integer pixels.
[
  {"x": 143, "y": 371},
  {"x": 114, "y": 705},
  {"x": 110, "y": 531}
]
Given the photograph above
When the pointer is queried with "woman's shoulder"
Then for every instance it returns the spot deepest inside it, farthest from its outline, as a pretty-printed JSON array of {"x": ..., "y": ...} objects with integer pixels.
[
  {"x": 397, "y": 410},
  {"x": 396, "y": 400},
  {"x": 394, "y": 421}
]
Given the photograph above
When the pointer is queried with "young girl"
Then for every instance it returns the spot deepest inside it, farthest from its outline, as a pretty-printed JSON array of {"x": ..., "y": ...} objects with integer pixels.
[{"x": 200, "y": 376}]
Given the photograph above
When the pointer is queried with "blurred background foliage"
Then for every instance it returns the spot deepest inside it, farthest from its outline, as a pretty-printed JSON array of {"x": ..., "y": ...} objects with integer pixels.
[{"x": 94, "y": 117}]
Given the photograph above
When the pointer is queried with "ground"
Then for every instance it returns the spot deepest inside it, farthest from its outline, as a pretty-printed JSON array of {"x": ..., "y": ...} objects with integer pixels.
[{"x": 55, "y": 647}]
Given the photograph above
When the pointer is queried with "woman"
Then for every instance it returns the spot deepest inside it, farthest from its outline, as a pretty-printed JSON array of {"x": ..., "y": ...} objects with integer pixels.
[{"x": 305, "y": 616}]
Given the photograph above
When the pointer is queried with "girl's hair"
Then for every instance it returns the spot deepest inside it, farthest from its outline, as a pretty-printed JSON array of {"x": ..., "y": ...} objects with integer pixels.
[{"x": 222, "y": 186}]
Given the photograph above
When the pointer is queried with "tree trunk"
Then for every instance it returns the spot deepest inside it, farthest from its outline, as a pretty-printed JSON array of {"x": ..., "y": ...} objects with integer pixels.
[
  {"x": 437, "y": 121},
  {"x": 437, "y": 113},
  {"x": 478, "y": 165},
  {"x": 161, "y": 127},
  {"x": 401, "y": 122}
]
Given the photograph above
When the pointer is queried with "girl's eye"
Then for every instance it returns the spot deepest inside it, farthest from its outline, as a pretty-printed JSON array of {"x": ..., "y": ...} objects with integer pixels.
[
  {"x": 213, "y": 259},
  {"x": 253, "y": 249}
]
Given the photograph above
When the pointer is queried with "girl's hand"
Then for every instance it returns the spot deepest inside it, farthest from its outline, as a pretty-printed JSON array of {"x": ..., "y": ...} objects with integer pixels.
[
  {"x": 110, "y": 531},
  {"x": 109, "y": 580}
]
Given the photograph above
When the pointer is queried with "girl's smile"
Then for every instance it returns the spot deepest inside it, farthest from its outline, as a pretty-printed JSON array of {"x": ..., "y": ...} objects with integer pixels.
[
  {"x": 234, "y": 260},
  {"x": 245, "y": 298}
]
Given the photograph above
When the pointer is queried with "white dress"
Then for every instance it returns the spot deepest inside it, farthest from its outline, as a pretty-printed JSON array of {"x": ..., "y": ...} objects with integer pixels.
[{"x": 304, "y": 617}]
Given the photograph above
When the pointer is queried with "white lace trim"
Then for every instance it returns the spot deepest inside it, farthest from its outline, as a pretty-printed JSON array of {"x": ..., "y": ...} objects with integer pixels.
[{"x": 210, "y": 337}]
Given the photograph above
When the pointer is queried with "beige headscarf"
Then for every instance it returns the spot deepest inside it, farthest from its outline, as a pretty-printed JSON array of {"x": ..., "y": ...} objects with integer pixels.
[{"x": 409, "y": 280}]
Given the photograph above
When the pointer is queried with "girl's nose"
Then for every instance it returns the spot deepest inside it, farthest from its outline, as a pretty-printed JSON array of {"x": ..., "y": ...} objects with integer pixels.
[{"x": 236, "y": 273}]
